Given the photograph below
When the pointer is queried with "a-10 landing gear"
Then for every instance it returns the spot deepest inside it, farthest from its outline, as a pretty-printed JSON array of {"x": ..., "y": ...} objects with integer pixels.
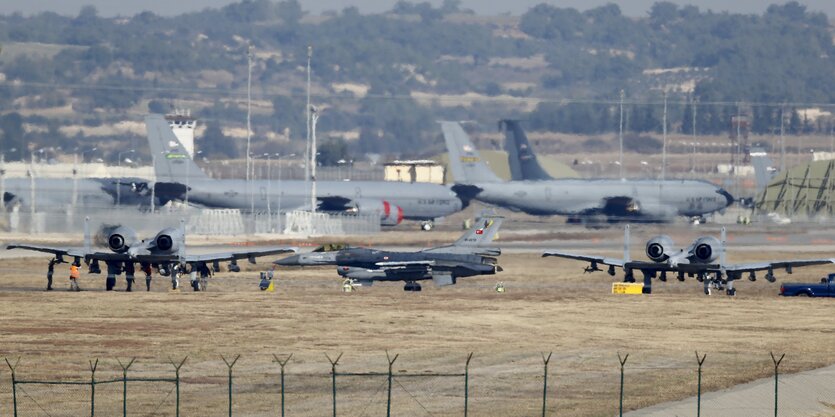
[
  {"x": 427, "y": 225},
  {"x": 412, "y": 286}
]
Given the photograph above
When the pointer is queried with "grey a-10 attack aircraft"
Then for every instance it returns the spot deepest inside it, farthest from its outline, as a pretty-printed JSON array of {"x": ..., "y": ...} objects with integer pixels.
[
  {"x": 468, "y": 256},
  {"x": 392, "y": 201},
  {"x": 583, "y": 200},
  {"x": 166, "y": 252},
  {"x": 699, "y": 259}
]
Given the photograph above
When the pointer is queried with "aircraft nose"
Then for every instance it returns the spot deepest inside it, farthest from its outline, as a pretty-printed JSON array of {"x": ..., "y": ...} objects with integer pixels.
[
  {"x": 728, "y": 197},
  {"x": 292, "y": 260}
]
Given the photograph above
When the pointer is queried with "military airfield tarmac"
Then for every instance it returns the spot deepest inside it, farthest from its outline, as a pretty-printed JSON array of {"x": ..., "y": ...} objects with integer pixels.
[{"x": 549, "y": 305}]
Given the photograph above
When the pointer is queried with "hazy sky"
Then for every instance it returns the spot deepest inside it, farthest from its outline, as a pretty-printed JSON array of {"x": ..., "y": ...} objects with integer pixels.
[{"x": 168, "y": 7}]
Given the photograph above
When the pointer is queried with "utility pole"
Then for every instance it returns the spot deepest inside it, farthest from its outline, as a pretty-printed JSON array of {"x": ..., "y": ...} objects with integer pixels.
[
  {"x": 664, "y": 146},
  {"x": 2, "y": 182},
  {"x": 307, "y": 118},
  {"x": 249, "y": 173},
  {"x": 248, "y": 109},
  {"x": 620, "y": 134},
  {"x": 313, "y": 120},
  {"x": 782, "y": 140},
  {"x": 154, "y": 185}
]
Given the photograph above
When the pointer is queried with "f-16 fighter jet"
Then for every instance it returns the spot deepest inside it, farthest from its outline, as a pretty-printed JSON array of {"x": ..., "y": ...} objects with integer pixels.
[
  {"x": 468, "y": 256},
  {"x": 704, "y": 259},
  {"x": 166, "y": 252}
]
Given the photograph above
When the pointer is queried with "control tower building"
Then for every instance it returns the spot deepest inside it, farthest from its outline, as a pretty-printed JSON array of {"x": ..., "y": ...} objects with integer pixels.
[{"x": 183, "y": 125}]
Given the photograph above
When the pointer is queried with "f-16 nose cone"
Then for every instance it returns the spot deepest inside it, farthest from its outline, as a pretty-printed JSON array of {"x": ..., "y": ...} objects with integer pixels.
[
  {"x": 728, "y": 197},
  {"x": 292, "y": 260}
]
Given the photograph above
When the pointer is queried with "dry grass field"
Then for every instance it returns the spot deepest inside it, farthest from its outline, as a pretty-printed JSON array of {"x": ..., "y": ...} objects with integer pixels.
[{"x": 550, "y": 305}]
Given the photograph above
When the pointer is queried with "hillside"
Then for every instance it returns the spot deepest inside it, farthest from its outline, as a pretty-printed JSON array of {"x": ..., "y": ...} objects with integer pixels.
[{"x": 381, "y": 80}]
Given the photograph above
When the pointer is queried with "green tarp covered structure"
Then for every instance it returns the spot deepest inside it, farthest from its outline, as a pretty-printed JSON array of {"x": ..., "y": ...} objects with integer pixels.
[{"x": 803, "y": 190}]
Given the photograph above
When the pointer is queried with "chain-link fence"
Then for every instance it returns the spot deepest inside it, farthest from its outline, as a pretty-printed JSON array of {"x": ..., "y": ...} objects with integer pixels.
[{"x": 271, "y": 387}]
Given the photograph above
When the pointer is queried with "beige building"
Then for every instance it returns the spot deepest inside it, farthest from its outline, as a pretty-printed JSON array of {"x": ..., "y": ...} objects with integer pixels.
[{"x": 415, "y": 171}]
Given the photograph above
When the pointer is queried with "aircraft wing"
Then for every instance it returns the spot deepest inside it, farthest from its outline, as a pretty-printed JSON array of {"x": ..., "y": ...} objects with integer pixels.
[
  {"x": 234, "y": 255},
  {"x": 760, "y": 266},
  {"x": 58, "y": 252},
  {"x": 153, "y": 258},
  {"x": 404, "y": 264},
  {"x": 588, "y": 258}
]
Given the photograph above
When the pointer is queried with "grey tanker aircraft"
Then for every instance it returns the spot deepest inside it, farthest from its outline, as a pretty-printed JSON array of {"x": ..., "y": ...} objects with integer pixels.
[
  {"x": 704, "y": 259},
  {"x": 392, "y": 201},
  {"x": 166, "y": 251},
  {"x": 468, "y": 256},
  {"x": 52, "y": 194},
  {"x": 582, "y": 200}
]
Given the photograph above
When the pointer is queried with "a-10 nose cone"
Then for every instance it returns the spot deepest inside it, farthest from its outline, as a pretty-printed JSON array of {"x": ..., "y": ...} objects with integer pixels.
[{"x": 728, "y": 197}]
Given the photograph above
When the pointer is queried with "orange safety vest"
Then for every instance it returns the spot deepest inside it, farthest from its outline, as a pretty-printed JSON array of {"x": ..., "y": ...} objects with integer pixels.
[{"x": 74, "y": 272}]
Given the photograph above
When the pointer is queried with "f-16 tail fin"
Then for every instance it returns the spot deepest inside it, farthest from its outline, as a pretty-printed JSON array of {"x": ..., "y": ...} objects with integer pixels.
[
  {"x": 172, "y": 163},
  {"x": 464, "y": 160},
  {"x": 763, "y": 170},
  {"x": 520, "y": 157},
  {"x": 482, "y": 233}
]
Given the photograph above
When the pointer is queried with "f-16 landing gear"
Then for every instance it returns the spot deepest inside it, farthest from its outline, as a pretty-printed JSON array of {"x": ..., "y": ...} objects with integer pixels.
[
  {"x": 412, "y": 286},
  {"x": 427, "y": 225}
]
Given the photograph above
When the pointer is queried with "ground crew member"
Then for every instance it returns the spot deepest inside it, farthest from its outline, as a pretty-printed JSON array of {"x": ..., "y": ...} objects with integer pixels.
[
  {"x": 147, "y": 270},
  {"x": 264, "y": 283},
  {"x": 204, "y": 275},
  {"x": 195, "y": 284},
  {"x": 74, "y": 275},
  {"x": 130, "y": 270},
  {"x": 49, "y": 273}
]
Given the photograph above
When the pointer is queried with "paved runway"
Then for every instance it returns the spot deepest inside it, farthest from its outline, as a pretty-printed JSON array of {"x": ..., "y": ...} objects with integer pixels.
[{"x": 802, "y": 394}]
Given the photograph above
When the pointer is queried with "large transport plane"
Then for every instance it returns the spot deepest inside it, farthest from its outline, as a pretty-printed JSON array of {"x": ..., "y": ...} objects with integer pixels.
[
  {"x": 582, "y": 200},
  {"x": 704, "y": 259},
  {"x": 59, "y": 194},
  {"x": 166, "y": 251},
  {"x": 468, "y": 256},
  {"x": 392, "y": 201}
]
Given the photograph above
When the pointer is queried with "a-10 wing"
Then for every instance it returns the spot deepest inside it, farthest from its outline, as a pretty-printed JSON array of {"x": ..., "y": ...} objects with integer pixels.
[
  {"x": 152, "y": 258},
  {"x": 596, "y": 260},
  {"x": 689, "y": 268}
]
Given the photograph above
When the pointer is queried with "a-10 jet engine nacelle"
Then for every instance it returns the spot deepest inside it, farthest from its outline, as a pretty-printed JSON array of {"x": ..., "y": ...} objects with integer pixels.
[
  {"x": 390, "y": 214},
  {"x": 121, "y": 239},
  {"x": 706, "y": 249},
  {"x": 167, "y": 241},
  {"x": 660, "y": 248}
]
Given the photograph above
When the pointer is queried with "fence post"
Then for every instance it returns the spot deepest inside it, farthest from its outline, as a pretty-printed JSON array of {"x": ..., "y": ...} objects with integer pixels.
[
  {"x": 93, "y": 366},
  {"x": 700, "y": 360},
  {"x": 333, "y": 362},
  {"x": 391, "y": 363},
  {"x": 282, "y": 363},
  {"x": 545, "y": 360},
  {"x": 230, "y": 365},
  {"x": 467, "y": 384},
  {"x": 177, "y": 380},
  {"x": 14, "y": 382},
  {"x": 776, "y": 374},
  {"x": 622, "y": 361},
  {"x": 125, "y": 385}
]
